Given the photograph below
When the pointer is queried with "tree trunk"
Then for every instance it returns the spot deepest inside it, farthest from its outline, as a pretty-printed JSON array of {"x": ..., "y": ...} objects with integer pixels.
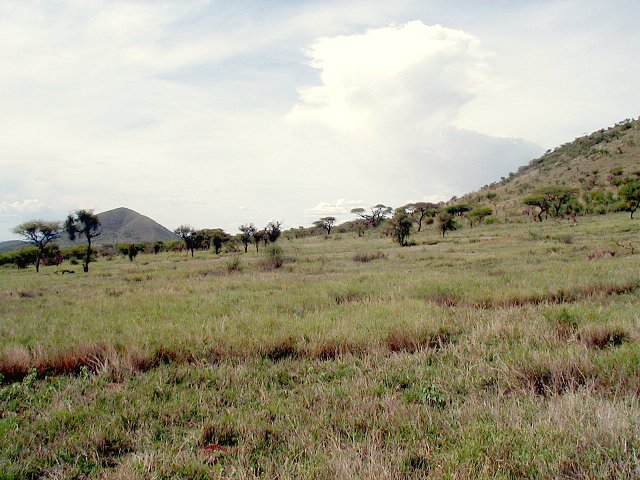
[
  {"x": 87, "y": 258},
  {"x": 246, "y": 246}
]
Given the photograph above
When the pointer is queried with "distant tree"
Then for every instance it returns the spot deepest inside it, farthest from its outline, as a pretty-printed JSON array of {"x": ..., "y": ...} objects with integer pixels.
[
  {"x": 83, "y": 223},
  {"x": 491, "y": 196},
  {"x": 39, "y": 233},
  {"x": 218, "y": 238},
  {"x": 401, "y": 224},
  {"x": 376, "y": 216},
  {"x": 446, "y": 223},
  {"x": 558, "y": 197},
  {"x": 202, "y": 239},
  {"x": 188, "y": 236},
  {"x": 52, "y": 255},
  {"x": 258, "y": 236},
  {"x": 25, "y": 257},
  {"x": 326, "y": 223},
  {"x": 273, "y": 231},
  {"x": 131, "y": 250},
  {"x": 159, "y": 246},
  {"x": 478, "y": 214},
  {"x": 458, "y": 210},
  {"x": 246, "y": 235},
  {"x": 360, "y": 226},
  {"x": 630, "y": 195},
  {"x": 550, "y": 200},
  {"x": 537, "y": 201},
  {"x": 572, "y": 208},
  {"x": 419, "y": 211}
]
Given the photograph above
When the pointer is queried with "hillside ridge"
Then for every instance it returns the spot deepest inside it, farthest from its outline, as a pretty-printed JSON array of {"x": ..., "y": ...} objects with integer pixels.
[{"x": 589, "y": 163}]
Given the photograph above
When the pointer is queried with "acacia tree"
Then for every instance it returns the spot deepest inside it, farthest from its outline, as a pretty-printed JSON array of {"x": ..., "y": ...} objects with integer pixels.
[
  {"x": 401, "y": 224},
  {"x": 39, "y": 233},
  {"x": 458, "y": 210},
  {"x": 131, "y": 250},
  {"x": 326, "y": 223},
  {"x": 550, "y": 200},
  {"x": 478, "y": 214},
  {"x": 188, "y": 236},
  {"x": 258, "y": 236},
  {"x": 446, "y": 223},
  {"x": 419, "y": 211},
  {"x": 246, "y": 234},
  {"x": 377, "y": 215},
  {"x": 83, "y": 223},
  {"x": 630, "y": 195},
  {"x": 273, "y": 231},
  {"x": 219, "y": 237},
  {"x": 537, "y": 201}
]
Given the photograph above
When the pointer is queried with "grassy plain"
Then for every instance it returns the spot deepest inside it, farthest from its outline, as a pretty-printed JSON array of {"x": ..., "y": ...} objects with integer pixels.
[{"x": 502, "y": 351}]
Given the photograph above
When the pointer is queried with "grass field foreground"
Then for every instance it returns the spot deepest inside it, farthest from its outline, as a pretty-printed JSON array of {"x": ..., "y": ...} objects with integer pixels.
[{"x": 501, "y": 351}]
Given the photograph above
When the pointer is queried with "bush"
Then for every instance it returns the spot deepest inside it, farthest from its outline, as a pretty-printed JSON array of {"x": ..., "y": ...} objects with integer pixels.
[
  {"x": 275, "y": 257},
  {"x": 234, "y": 264},
  {"x": 21, "y": 258}
]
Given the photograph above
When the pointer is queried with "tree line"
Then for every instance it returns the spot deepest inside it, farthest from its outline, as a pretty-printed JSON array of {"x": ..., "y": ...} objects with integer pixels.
[{"x": 399, "y": 223}]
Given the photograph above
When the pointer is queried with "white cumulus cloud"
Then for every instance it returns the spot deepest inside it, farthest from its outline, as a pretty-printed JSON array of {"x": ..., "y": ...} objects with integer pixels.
[{"x": 386, "y": 107}]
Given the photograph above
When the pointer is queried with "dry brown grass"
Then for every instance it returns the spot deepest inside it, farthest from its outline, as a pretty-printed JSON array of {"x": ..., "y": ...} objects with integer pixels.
[
  {"x": 368, "y": 257},
  {"x": 280, "y": 348},
  {"x": 402, "y": 340},
  {"x": 548, "y": 377},
  {"x": 333, "y": 348},
  {"x": 560, "y": 296},
  {"x": 603, "y": 336}
]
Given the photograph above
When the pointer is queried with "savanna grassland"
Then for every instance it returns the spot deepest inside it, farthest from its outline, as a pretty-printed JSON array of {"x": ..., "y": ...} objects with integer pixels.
[{"x": 501, "y": 351}]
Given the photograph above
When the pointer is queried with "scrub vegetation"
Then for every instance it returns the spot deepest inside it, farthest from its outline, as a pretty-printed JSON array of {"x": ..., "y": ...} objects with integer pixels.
[{"x": 506, "y": 350}]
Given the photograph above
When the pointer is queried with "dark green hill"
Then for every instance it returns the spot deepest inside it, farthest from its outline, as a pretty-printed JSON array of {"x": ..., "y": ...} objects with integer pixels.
[{"x": 589, "y": 163}]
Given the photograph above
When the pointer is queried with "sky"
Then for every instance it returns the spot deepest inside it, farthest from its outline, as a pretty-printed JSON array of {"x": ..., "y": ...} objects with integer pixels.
[{"x": 216, "y": 113}]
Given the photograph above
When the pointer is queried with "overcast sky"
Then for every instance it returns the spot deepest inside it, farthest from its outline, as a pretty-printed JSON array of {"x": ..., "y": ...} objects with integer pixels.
[{"x": 215, "y": 114}]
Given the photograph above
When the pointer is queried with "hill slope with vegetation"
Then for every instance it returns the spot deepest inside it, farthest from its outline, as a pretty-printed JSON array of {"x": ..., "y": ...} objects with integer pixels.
[{"x": 594, "y": 165}]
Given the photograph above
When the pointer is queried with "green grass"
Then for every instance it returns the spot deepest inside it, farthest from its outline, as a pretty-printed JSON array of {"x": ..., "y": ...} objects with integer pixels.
[{"x": 502, "y": 351}]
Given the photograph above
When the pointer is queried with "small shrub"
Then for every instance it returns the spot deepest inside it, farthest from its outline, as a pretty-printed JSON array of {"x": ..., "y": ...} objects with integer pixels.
[
  {"x": 275, "y": 257},
  {"x": 234, "y": 264},
  {"x": 432, "y": 395}
]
